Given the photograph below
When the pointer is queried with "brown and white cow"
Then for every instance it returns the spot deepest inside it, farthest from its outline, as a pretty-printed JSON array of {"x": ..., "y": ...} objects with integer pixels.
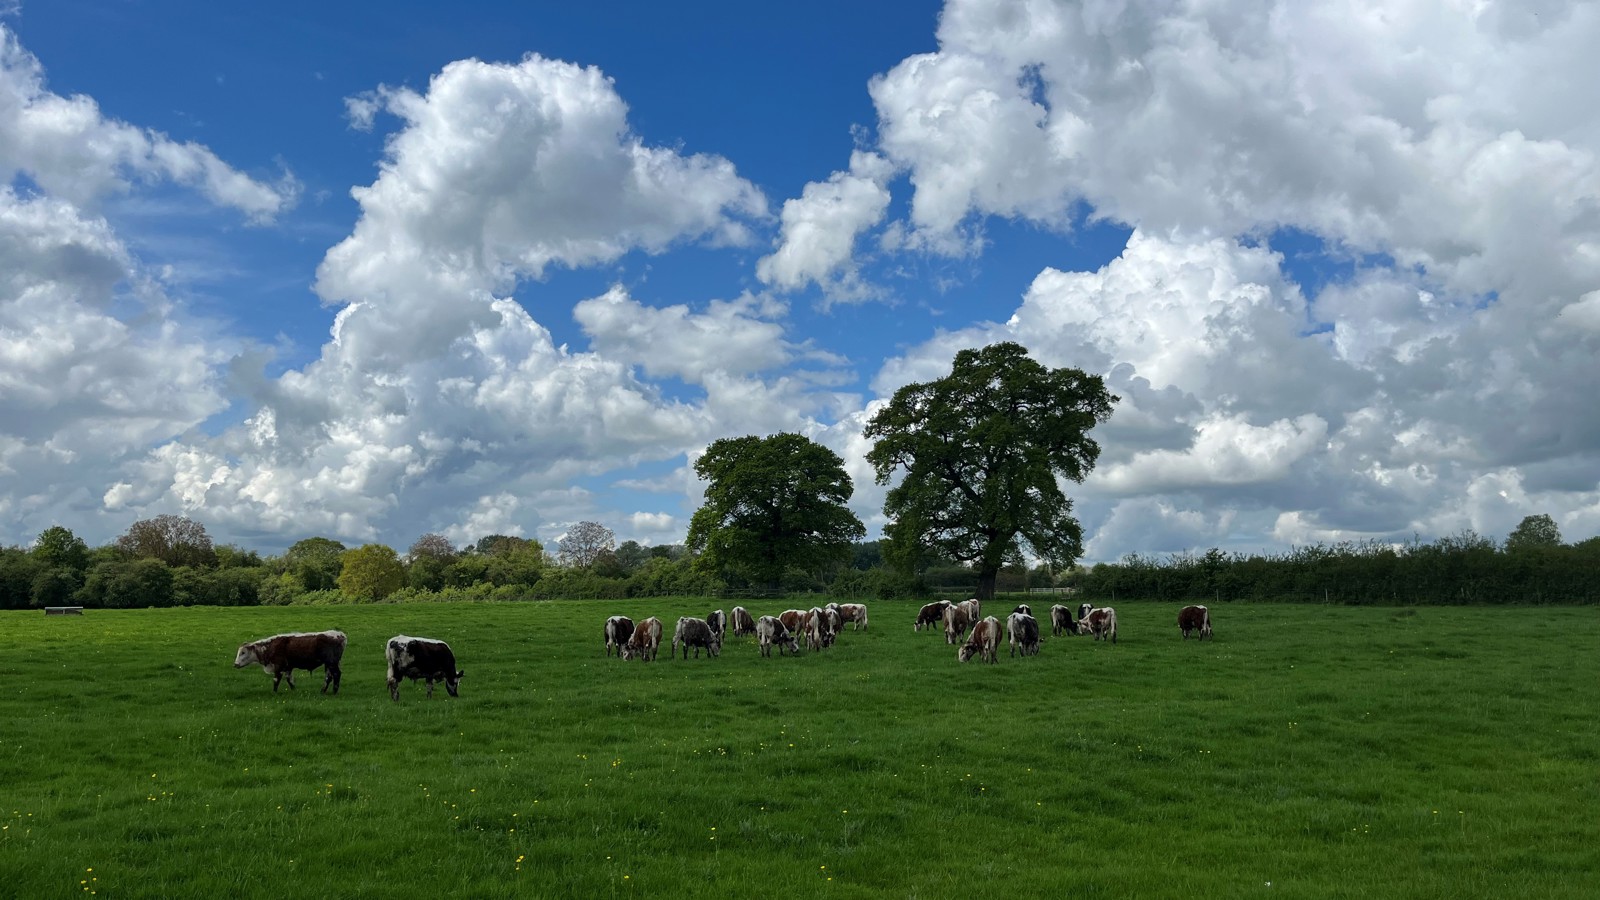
[
  {"x": 719, "y": 624},
  {"x": 618, "y": 630},
  {"x": 425, "y": 658},
  {"x": 815, "y": 625},
  {"x": 793, "y": 619},
  {"x": 932, "y": 614},
  {"x": 1194, "y": 618},
  {"x": 974, "y": 608},
  {"x": 956, "y": 622},
  {"x": 769, "y": 631},
  {"x": 984, "y": 641},
  {"x": 281, "y": 654},
  {"x": 1061, "y": 621},
  {"x": 646, "y": 641},
  {"x": 743, "y": 623},
  {"x": 1022, "y": 632},
  {"x": 855, "y": 614},
  {"x": 1100, "y": 622},
  {"x": 696, "y": 633}
]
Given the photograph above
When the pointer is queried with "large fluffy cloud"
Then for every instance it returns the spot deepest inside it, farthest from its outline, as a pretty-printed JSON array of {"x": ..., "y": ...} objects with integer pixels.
[
  {"x": 440, "y": 403},
  {"x": 65, "y": 145},
  {"x": 97, "y": 360}
]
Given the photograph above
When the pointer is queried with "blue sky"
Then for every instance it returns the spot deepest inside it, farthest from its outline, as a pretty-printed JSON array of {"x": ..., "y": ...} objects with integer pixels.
[{"x": 369, "y": 271}]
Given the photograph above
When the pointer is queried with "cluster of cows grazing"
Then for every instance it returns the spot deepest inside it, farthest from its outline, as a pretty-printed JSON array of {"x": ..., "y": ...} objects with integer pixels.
[
  {"x": 1022, "y": 629},
  {"x": 408, "y": 657},
  {"x": 818, "y": 626}
]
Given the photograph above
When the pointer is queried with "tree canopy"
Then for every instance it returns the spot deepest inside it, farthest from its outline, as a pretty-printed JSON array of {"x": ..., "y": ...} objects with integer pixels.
[
  {"x": 584, "y": 542},
  {"x": 771, "y": 503},
  {"x": 371, "y": 572},
  {"x": 175, "y": 540},
  {"x": 982, "y": 449},
  {"x": 1532, "y": 532}
]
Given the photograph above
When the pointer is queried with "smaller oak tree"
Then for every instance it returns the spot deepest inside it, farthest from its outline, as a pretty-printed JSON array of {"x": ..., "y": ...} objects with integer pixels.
[{"x": 772, "y": 503}]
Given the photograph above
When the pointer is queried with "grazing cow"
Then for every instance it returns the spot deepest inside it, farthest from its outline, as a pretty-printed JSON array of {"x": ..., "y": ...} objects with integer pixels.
[
  {"x": 1101, "y": 622},
  {"x": 932, "y": 614},
  {"x": 833, "y": 623},
  {"x": 983, "y": 642},
  {"x": 426, "y": 658},
  {"x": 618, "y": 630},
  {"x": 973, "y": 607},
  {"x": 696, "y": 633},
  {"x": 769, "y": 631},
  {"x": 281, "y": 654},
  {"x": 718, "y": 623},
  {"x": 1022, "y": 631},
  {"x": 1061, "y": 621},
  {"x": 855, "y": 614},
  {"x": 793, "y": 619},
  {"x": 1084, "y": 609},
  {"x": 1194, "y": 618},
  {"x": 743, "y": 623},
  {"x": 814, "y": 624},
  {"x": 956, "y": 622},
  {"x": 646, "y": 641}
]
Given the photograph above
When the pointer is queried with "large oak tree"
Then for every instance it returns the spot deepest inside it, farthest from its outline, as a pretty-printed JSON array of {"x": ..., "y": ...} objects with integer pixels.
[
  {"x": 983, "y": 449},
  {"x": 772, "y": 503}
]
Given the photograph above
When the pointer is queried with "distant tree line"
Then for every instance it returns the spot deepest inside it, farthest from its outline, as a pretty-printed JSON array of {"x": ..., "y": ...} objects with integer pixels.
[
  {"x": 170, "y": 561},
  {"x": 1532, "y": 566}
]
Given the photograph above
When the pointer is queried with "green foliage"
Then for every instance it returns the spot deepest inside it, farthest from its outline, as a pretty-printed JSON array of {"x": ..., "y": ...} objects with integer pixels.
[
  {"x": 231, "y": 586},
  {"x": 1464, "y": 568},
  {"x": 772, "y": 504},
  {"x": 58, "y": 548},
  {"x": 982, "y": 450},
  {"x": 55, "y": 587},
  {"x": 18, "y": 569},
  {"x": 370, "y": 572},
  {"x": 314, "y": 563},
  {"x": 128, "y": 584},
  {"x": 1534, "y": 533}
]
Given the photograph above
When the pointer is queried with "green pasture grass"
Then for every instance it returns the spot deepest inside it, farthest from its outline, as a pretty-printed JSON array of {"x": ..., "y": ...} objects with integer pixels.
[{"x": 1307, "y": 751}]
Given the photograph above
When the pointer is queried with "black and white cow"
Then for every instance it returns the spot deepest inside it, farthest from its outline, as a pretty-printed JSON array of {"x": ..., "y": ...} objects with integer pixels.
[
  {"x": 618, "y": 630},
  {"x": 719, "y": 624},
  {"x": 1061, "y": 621},
  {"x": 1022, "y": 632},
  {"x": 769, "y": 631},
  {"x": 696, "y": 633},
  {"x": 419, "y": 657}
]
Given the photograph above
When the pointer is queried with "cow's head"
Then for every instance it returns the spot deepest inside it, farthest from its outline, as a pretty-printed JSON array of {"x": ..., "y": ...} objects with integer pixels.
[
  {"x": 247, "y": 655},
  {"x": 966, "y": 652},
  {"x": 451, "y": 681}
]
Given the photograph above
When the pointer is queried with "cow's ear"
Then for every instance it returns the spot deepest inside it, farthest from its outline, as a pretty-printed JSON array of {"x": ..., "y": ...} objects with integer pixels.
[{"x": 461, "y": 673}]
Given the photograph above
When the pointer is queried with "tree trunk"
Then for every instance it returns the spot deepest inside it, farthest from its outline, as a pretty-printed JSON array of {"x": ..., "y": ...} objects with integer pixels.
[{"x": 986, "y": 580}]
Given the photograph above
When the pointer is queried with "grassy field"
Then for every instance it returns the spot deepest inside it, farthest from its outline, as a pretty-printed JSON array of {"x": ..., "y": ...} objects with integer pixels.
[{"x": 1308, "y": 751}]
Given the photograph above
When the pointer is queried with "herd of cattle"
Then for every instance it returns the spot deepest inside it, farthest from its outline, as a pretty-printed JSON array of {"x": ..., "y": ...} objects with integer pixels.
[{"x": 432, "y": 660}]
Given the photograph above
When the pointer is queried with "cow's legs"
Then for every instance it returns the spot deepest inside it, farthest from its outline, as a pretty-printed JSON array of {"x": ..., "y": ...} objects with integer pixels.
[
  {"x": 331, "y": 678},
  {"x": 394, "y": 689},
  {"x": 276, "y": 678},
  {"x": 430, "y": 688}
]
